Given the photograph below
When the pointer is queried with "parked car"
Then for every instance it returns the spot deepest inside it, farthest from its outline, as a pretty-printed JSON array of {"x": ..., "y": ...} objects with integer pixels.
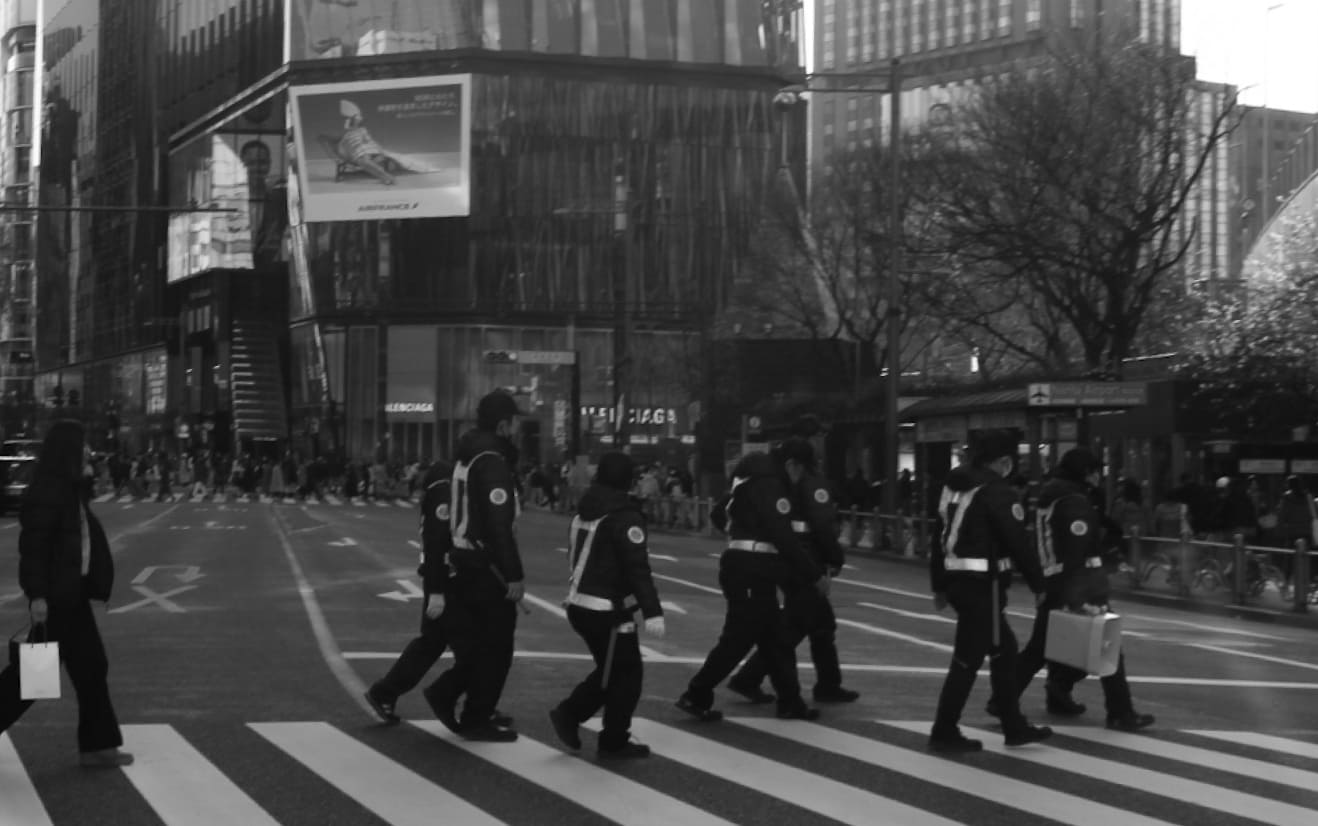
[{"x": 15, "y": 474}]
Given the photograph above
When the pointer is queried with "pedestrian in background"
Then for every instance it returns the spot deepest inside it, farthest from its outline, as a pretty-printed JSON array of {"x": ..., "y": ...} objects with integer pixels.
[
  {"x": 1295, "y": 521},
  {"x": 981, "y": 536},
  {"x": 487, "y": 584},
  {"x": 610, "y": 581},
  {"x": 64, "y": 564}
]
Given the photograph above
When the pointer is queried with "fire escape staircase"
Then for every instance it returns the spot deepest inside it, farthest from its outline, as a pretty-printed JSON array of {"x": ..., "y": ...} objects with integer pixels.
[{"x": 260, "y": 410}]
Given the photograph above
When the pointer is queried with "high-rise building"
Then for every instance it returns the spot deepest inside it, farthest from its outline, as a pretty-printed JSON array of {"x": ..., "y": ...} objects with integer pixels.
[
  {"x": 1274, "y": 152},
  {"x": 313, "y": 220},
  {"x": 18, "y": 32},
  {"x": 945, "y": 46}
]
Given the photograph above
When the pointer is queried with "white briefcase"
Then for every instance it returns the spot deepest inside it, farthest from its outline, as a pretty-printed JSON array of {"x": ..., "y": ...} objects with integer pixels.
[{"x": 1091, "y": 643}]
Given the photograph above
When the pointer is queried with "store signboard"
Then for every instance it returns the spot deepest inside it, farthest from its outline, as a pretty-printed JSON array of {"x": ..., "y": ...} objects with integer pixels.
[
  {"x": 1308, "y": 467},
  {"x": 1263, "y": 466},
  {"x": 1089, "y": 394},
  {"x": 376, "y": 149}
]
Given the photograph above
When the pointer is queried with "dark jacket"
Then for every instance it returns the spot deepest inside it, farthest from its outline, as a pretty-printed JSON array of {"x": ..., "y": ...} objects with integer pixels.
[
  {"x": 816, "y": 513},
  {"x": 489, "y": 505},
  {"x": 1070, "y": 542},
  {"x": 981, "y": 523},
  {"x": 1295, "y": 517},
  {"x": 50, "y": 546},
  {"x": 760, "y": 510},
  {"x": 618, "y": 566},
  {"x": 436, "y": 533}
]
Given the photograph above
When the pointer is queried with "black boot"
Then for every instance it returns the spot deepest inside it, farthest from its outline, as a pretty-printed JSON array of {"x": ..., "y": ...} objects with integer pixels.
[{"x": 1060, "y": 702}]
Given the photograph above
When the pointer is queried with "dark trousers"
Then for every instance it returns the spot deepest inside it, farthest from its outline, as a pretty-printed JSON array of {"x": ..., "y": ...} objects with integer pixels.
[
  {"x": 615, "y": 684},
  {"x": 80, "y": 648},
  {"x": 972, "y": 598},
  {"x": 481, "y": 623},
  {"x": 808, "y": 613},
  {"x": 417, "y": 658},
  {"x": 753, "y": 619},
  {"x": 1116, "y": 689}
]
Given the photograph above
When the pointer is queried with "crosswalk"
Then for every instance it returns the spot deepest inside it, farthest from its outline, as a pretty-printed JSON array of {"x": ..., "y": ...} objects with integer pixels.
[
  {"x": 328, "y": 499},
  {"x": 747, "y": 770}
]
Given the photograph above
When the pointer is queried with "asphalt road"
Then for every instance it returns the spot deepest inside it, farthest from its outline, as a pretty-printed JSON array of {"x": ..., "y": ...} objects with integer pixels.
[{"x": 241, "y": 636}]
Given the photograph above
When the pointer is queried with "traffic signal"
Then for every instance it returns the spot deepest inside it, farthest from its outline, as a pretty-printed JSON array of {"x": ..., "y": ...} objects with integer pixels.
[{"x": 501, "y": 356}]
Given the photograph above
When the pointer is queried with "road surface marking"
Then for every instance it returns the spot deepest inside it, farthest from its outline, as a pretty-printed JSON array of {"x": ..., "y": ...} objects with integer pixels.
[
  {"x": 606, "y": 793},
  {"x": 332, "y": 499},
  {"x": 150, "y": 597},
  {"x": 664, "y": 557},
  {"x": 672, "y": 607},
  {"x": 403, "y": 503},
  {"x": 884, "y": 589},
  {"x": 104, "y": 497},
  {"x": 409, "y": 591},
  {"x": 1037, "y": 800},
  {"x": 1217, "y": 649},
  {"x": 688, "y": 584},
  {"x": 22, "y": 805},
  {"x": 883, "y": 632},
  {"x": 181, "y": 785},
  {"x": 358, "y": 502},
  {"x": 1206, "y": 758},
  {"x": 1207, "y": 795},
  {"x": 124, "y": 499},
  {"x": 1299, "y": 748},
  {"x": 911, "y": 614},
  {"x": 380, "y": 504},
  {"x": 191, "y": 573},
  {"x": 395, "y": 794},
  {"x": 551, "y": 607},
  {"x": 821, "y": 795},
  {"x": 414, "y": 544},
  {"x": 329, "y": 649},
  {"x": 345, "y": 542},
  {"x": 1212, "y": 629},
  {"x": 715, "y": 556}
]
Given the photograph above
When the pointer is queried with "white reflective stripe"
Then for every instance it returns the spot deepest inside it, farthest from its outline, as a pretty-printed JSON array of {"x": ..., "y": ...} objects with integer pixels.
[
  {"x": 1094, "y": 562},
  {"x": 800, "y": 526},
  {"x": 460, "y": 511},
  {"x": 1043, "y": 534},
  {"x": 1053, "y": 570},
  {"x": 752, "y": 545},
  {"x": 974, "y": 564},
  {"x": 627, "y": 628},
  {"x": 960, "y": 500},
  {"x": 582, "y": 535},
  {"x": 588, "y": 602}
]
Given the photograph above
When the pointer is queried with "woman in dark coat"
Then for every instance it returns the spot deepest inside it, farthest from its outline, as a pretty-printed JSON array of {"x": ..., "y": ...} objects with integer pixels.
[{"x": 64, "y": 564}]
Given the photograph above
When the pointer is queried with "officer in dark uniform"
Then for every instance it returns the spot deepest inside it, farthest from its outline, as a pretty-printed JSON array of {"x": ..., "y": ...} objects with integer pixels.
[
  {"x": 424, "y": 650},
  {"x": 1068, "y": 538},
  {"x": 762, "y": 556},
  {"x": 808, "y": 612},
  {"x": 609, "y": 583},
  {"x": 487, "y": 583},
  {"x": 981, "y": 534}
]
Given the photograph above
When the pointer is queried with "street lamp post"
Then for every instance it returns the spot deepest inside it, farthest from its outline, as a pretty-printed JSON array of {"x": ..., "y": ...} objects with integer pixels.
[{"x": 790, "y": 95}]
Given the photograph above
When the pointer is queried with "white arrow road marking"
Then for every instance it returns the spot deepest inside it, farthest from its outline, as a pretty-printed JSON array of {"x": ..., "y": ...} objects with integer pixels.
[
  {"x": 191, "y": 573},
  {"x": 152, "y": 598},
  {"x": 410, "y": 591},
  {"x": 345, "y": 542},
  {"x": 672, "y": 607}
]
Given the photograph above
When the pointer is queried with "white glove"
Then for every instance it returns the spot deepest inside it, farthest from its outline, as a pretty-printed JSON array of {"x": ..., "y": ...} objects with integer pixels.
[
  {"x": 1093, "y": 610},
  {"x": 654, "y": 626},
  {"x": 434, "y": 605}
]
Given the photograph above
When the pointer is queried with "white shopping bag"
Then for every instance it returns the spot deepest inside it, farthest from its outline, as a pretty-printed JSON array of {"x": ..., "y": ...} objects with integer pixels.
[{"x": 38, "y": 670}]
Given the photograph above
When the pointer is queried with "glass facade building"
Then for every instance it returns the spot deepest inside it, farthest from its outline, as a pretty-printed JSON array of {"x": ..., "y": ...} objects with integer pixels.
[{"x": 615, "y": 151}]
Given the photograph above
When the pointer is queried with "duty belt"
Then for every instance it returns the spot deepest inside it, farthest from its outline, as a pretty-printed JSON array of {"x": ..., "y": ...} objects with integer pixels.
[
  {"x": 753, "y": 546},
  {"x": 974, "y": 564},
  {"x": 1090, "y": 562},
  {"x": 799, "y": 526},
  {"x": 591, "y": 603}
]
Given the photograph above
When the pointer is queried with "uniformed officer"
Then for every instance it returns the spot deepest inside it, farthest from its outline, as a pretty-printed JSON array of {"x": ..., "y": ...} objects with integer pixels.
[
  {"x": 487, "y": 582},
  {"x": 425, "y": 649},
  {"x": 808, "y": 612},
  {"x": 1069, "y": 542},
  {"x": 981, "y": 534},
  {"x": 610, "y": 581},
  {"x": 762, "y": 556}
]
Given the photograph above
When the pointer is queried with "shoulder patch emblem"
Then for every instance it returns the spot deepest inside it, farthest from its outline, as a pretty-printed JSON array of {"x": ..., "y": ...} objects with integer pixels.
[
  {"x": 635, "y": 534},
  {"x": 821, "y": 496},
  {"x": 441, "y": 513},
  {"x": 784, "y": 507},
  {"x": 1079, "y": 528},
  {"x": 498, "y": 496},
  {"x": 1018, "y": 512}
]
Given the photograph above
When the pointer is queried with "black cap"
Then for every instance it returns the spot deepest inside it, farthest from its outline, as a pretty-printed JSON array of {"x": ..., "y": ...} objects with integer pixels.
[
  {"x": 496, "y": 407},
  {"x": 798, "y": 450},
  {"x": 990, "y": 445},
  {"x": 1077, "y": 463},
  {"x": 615, "y": 471}
]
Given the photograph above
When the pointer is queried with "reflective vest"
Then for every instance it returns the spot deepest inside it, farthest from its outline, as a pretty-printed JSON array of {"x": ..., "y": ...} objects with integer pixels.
[
  {"x": 460, "y": 511},
  {"x": 582, "y": 542},
  {"x": 952, "y": 507}
]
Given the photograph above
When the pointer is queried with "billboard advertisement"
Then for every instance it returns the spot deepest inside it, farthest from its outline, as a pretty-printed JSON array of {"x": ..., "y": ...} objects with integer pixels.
[
  {"x": 243, "y": 174},
  {"x": 373, "y": 149}
]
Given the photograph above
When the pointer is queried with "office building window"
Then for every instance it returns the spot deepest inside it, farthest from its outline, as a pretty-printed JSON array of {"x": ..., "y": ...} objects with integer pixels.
[
  {"x": 1076, "y": 12},
  {"x": 1004, "y": 17},
  {"x": 951, "y": 23},
  {"x": 934, "y": 23},
  {"x": 867, "y": 35},
  {"x": 1033, "y": 15},
  {"x": 853, "y": 33},
  {"x": 901, "y": 35},
  {"x": 969, "y": 13},
  {"x": 883, "y": 30},
  {"x": 918, "y": 9},
  {"x": 828, "y": 44}
]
